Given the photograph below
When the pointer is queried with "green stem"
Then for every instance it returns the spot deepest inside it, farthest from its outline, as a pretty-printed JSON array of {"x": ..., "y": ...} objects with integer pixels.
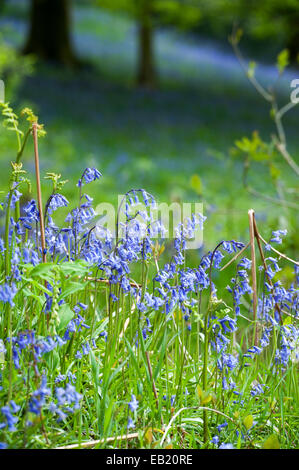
[
  {"x": 205, "y": 378},
  {"x": 6, "y": 237},
  {"x": 10, "y": 353}
]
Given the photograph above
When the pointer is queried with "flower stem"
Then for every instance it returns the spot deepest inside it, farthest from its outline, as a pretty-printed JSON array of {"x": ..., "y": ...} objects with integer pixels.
[{"x": 39, "y": 192}]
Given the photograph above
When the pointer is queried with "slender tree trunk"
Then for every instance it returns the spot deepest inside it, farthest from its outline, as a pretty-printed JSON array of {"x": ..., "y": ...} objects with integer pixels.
[
  {"x": 146, "y": 75},
  {"x": 2, "y": 5},
  {"x": 49, "y": 32},
  {"x": 293, "y": 46},
  {"x": 291, "y": 18}
]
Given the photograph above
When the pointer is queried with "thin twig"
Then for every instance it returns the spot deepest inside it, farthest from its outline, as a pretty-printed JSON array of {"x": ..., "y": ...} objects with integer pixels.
[
  {"x": 198, "y": 408},
  {"x": 101, "y": 441},
  {"x": 278, "y": 252},
  {"x": 259, "y": 88},
  {"x": 253, "y": 267},
  {"x": 281, "y": 202},
  {"x": 286, "y": 108},
  {"x": 281, "y": 147},
  {"x": 235, "y": 257},
  {"x": 280, "y": 143},
  {"x": 106, "y": 281},
  {"x": 257, "y": 236},
  {"x": 39, "y": 192}
]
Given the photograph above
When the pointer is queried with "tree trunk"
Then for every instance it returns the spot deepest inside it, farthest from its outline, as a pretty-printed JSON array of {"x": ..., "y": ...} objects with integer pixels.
[
  {"x": 2, "y": 5},
  {"x": 49, "y": 34},
  {"x": 290, "y": 14},
  {"x": 293, "y": 46},
  {"x": 146, "y": 75}
]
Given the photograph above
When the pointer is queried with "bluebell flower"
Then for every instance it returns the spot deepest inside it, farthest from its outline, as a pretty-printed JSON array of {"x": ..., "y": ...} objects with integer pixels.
[
  {"x": 7, "y": 412},
  {"x": 60, "y": 378},
  {"x": 38, "y": 397},
  {"x": 72, "y": 377},
  {"x": 78, "y": 355},
  {"x": 265, "y": 339},
  {"x": 288, "y": 342},
  {"x": 60, "y": 341},
  {"x": 224, "y": 383},
  {"x": 276, "y": 236},
  {"x": 133, "y": 404},
  {"x": 228, "y": 324},
  {"x": 221, "y": 343},
  {"x": 226, "y": 446},
  {"x": 221, "y": 426},
  {"x": 215, "y": 440},
  {"x": 68, "y": 396},
  {"x": 15, "y": 408},
  {"x": 80, "y": 306},
  {"x": 227, "y": 361},
  {"x": 54, "y": 409},
  {"x": 7, "y": 293},
  {"x": 31, "y": 211},
  {"x": 55, "y": 202},
  {"x": 16, "y": 357},
  {"x": 113, "y": 297},
  {"x": 89, "y": 175},
  {"x": 86, "y": 348},
  {"x": 130, "y": 423},
  {"x": 104, "y": 334},
  {"x": 245, "y": 263},
  {"x": 15, "y": 197},
  {"x": 257, "y": 390},
  {"x": 252, "y": 351}
]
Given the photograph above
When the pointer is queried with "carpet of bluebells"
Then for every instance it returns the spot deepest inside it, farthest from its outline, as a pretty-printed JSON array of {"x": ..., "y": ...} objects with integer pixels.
[{"x": 113, "y": 338}]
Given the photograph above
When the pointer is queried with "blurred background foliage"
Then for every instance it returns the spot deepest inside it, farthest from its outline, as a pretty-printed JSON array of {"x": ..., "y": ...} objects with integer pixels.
[{"x": 151, "y": 93}]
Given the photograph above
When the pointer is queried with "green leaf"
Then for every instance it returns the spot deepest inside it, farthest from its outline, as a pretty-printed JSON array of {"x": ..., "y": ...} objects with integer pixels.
[
  {"x": 65, "y": 315},
  {"x": 38, "y": 285},
  {"x": 248, "y": 422},
  {"x": 140, "y": 338},
  {"x": 108, "y": 421},
  {"x": 260, "y": 156},
  {"x": 237, "y": 36},
  {"x": 52, "y": 359},
  {"x": 38, "y": 298},
  {"x": 251, "y": 69},
  {"x": 95, "y": 368},
  {"x": 287, "y": 321},
  {"x": 195, "y": 183},
  {"x": 72, "y": 268},
  {"x": 272, "y": 442},
  {"x": 43, "y": 270},
  {"x": 73, "y": 287},
  {"x": 204, "y": 397},
  {"x": 148, "y": 436},
  {"x": 135, "y": 363},
  {"x": 274, "y": 171},
  {"x": 282, "y": 60},
  {"x": 161, "y": 358}
]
